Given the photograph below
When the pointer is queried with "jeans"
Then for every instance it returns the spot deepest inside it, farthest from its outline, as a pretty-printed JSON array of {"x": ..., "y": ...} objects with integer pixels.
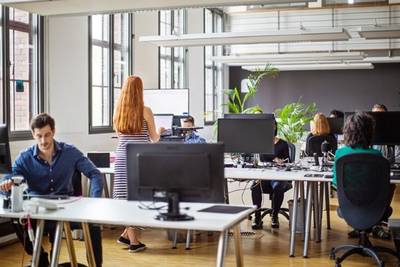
[
  {"x": 49, "y": 230},
  {"x": 277, "y": 190}
]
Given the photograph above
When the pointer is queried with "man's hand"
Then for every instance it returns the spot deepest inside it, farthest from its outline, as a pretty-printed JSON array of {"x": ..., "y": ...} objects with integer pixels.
[{"x": 6, "y": 186}]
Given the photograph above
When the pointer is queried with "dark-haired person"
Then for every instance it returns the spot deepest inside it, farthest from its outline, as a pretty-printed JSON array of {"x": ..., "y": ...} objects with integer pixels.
[
  {"x": 48, "y": 168},
  {"x": 357, "y": 132},
  {"x": 336, "y": 114},
  {"x": 191, "y": 136},
  {"x": 278, "y": 188}
]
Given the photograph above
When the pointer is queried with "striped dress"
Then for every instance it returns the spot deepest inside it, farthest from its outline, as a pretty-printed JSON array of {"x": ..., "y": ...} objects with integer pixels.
[{"x": 120, "y": 178}]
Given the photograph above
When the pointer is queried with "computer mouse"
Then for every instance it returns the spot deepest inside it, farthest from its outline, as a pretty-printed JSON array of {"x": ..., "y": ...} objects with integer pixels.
[{"x": 288, "y": 169}]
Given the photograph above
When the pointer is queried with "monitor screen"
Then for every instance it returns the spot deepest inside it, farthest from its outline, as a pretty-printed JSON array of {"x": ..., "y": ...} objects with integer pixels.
[
  {"x": 163, "y": 120},
  {"x": 247, "y": 135},
  {"x": 5, "y": 156},
  {"x": 336, "y": 125},
  {"x": 387, "y": 127},
  {"x": 194, "y": 171}
]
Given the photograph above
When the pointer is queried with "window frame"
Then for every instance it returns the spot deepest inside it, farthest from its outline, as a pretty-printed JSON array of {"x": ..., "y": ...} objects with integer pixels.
[
  {"x": 36, "y": 78},
  {"x": 111, "y": 48}
]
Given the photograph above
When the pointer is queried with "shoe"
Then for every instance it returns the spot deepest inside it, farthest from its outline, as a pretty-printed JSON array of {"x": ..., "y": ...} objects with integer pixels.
[
  {"x": 123, "y": 241},
  {"x": 353, "y": 234},
  {"x": 136, "y": 248},
  {"x": 257, "y": 225},
  {"x": 275, "y": 221},
  {"x": 379, "y": 232}
]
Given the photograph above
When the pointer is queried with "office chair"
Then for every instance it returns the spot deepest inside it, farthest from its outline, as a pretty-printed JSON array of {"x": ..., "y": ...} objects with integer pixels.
[
  {"x": 364, "y": 194},
  {"x": 313, "y": 144},
  {"x": 282, "y": 211}
]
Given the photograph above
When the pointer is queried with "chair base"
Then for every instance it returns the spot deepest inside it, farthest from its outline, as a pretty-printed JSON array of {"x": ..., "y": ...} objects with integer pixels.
[{"x": 364, "y": 248}]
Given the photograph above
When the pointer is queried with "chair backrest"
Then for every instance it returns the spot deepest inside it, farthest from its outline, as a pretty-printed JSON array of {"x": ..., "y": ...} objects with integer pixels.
[
  {"x": 363, "y": 187},
  {"x": 77, "y": 184},
  {"x": 313, "y": 144},
  {"x": 292, "y": 152}
]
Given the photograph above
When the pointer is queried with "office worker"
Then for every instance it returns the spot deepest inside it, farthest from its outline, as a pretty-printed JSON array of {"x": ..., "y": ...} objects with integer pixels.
[
  {"x": 336, "y": 114},
  {"x": 48, "y": 168},
  {"x": 133, "y": 122},
  {"x": 278, "y": 188},
  {"x": 357, "y": 132},
  {"x": 319, "y": 127},
  {"x": 191, "y": 136},
  {"x": 392, "y": 153}
]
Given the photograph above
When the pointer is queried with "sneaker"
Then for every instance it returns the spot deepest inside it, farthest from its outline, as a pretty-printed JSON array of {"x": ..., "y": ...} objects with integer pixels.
[
  {"x": 353, "y": 234},
  {"x": 379, "y": 232},
  {"x": 275, "y": 221},
  {"x": 136, "y": 248},
  {"x": 123, "y": 241},
  {"x": 257, "y": 225}
]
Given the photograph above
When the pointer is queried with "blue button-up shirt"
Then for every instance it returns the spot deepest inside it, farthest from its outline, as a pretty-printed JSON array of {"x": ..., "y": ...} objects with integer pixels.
[
  {"x": 56, "y": 179},
  {"x": 193, "y": 138}
]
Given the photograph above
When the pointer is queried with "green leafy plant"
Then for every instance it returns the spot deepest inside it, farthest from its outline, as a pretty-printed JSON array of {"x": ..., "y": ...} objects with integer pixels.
[
  {"x": 292, "y": 118},
  {"x": 237, "y": 102}
]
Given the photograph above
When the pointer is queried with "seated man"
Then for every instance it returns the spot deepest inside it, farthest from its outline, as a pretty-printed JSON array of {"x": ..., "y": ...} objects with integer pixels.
[
  {"x": 278, "y": 188},
  {"x": 48, "y": 168},
  {"x": 191, "y": 136},
  {"x": 357, "y": 131}
]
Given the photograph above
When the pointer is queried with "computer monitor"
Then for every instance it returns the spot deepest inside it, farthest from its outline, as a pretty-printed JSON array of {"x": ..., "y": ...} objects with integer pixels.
[
  {"x": 387, "y": 127},
  {"x": 336, "y": 125},
  {"x": 176, "y": 172},
  {"x": 5, "y": 155},
  {"x": 165, "y": 121},
  {"x": 247, "y": 135},
  {"x": 249, "y": 116}
]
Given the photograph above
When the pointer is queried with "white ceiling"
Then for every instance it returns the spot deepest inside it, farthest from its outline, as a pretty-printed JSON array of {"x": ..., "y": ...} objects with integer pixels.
[{"x": 68, "y": 7}]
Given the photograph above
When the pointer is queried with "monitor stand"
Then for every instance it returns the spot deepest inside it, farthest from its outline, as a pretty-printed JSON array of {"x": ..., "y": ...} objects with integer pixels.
[{"x": 173, "y": 213}]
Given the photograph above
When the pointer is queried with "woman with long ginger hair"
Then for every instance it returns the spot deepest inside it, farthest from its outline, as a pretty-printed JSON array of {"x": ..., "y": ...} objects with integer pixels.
[{"x": 133, "y": 122}]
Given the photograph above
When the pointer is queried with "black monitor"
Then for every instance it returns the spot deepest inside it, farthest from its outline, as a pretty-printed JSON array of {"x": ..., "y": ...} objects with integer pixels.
[
  {"x": 336, "y": 125},
  {"x": 5, "y": 156},
  {"x": 247, "y": 135},
  {"x": 249, "y": 116},
  {"x": 176, "y": 172},
  {"x": 387, "y": 127}
]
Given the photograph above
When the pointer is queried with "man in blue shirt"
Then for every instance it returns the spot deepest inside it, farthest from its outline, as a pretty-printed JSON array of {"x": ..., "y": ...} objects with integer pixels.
[
  {"x": 191, "y": 136},
  {"x": 48, "y": 168}
]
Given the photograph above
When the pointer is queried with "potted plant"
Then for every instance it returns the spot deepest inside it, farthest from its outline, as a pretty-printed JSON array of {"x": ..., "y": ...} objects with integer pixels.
[{"x": 292, "y": 118}]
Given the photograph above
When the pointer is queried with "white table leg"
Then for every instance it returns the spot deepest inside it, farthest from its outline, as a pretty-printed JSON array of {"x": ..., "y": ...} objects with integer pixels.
[
  {"x": 57, "y": 244},
  {"x": 222, "y": 243},
  {"x": 307, "y": 227},
  {"x": 238, "y": 246},
  {"x": 293, "y": 220},
  {"x": 37, "y": 246}
]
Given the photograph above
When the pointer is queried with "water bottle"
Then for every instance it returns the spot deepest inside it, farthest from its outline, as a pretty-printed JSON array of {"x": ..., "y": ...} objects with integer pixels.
[{"x": 17, "y": 190}]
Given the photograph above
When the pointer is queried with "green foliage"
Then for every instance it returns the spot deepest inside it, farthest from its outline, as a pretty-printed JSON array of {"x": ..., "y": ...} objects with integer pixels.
[
  {"x": 292, "y": 118},
  {"x": 236, "y": 103}
]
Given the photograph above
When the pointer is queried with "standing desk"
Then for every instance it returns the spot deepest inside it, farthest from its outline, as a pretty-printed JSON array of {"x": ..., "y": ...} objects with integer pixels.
[{"x": 122, "y": 212}]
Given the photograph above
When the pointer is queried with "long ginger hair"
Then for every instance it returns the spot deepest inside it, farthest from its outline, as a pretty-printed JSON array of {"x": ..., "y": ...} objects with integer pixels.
[
  {"x": 321, "y": 125},
  {"x": 128, "y": 116}
]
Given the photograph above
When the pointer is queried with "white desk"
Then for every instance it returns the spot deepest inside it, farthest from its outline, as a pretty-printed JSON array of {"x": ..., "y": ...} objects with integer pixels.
[{"x": 122, "y": 212}]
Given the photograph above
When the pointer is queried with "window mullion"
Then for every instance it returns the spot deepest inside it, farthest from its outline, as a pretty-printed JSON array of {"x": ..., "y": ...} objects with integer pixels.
[{"x": 111, "y": 69}]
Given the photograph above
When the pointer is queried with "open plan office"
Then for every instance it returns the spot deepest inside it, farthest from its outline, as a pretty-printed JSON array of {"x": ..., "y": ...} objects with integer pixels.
[{"x": 204, "y": 133}]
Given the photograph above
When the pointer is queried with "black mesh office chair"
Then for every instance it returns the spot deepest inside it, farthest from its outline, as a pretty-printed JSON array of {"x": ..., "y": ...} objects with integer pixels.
[
  {"x": 282, "y": 211},
  {"x": 364, "y": 194},
  {"x": 313, "y": 144}
]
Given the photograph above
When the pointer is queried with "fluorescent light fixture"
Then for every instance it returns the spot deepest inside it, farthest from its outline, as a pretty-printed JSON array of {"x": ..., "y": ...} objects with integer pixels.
[
  {"x": 299, "y": 67},
  {"x": 382, "y": 59},
  {"x": 229, "y": 38},
  {"x": 380, "y": 32},
  {"x": 280, "y": 58},
  {"x": 20, "y": 1},
  {"x": 350, "y": 2}
]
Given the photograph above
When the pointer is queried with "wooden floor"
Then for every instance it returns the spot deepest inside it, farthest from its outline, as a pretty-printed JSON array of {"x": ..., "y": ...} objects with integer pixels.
[{"x": 265, "y": 248}]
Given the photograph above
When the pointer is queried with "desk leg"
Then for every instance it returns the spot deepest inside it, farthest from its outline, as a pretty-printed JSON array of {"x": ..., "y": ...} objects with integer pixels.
[
  {"x": 37, "y": 246},
  {"x": 70, "y": 244},
  {"x": 57, "y": 244},
  {"x": 318, "y": 211},
  {"x": 302, "y": 198},
  {"x": 293, "y": 219},
  {"x": 111, "y": 184},
  {"x": 222, "y": 243},
  {"x": 308, "y": 218},
  {"x": 327, "y": 205},
  {"x": 238, "y": 246},
  {"x": 105, "y": 187},
  {"x": 88, "y": 245}
]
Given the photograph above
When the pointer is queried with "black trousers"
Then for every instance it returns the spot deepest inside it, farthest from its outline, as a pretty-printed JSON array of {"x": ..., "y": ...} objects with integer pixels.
[
  {"x": 49, "y": 230},
  {"x": 276, "y": 188}
]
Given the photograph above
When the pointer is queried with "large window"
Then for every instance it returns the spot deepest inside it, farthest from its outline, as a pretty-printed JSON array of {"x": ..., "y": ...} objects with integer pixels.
[
  {"x": 110, "y": 46},
  {"x": 213, "y": 100},
  {"x": 172, "y": 60},
  {"x": 22, "y": 83}
]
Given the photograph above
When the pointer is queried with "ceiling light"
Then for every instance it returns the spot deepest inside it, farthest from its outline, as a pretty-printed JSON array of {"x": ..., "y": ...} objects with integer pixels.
[
  {"x": 280, "y": 58},
  {"x": 228, "y": 38},
  {"x": 300, "y": 67},
  {"x": 380, "y": 32}
]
